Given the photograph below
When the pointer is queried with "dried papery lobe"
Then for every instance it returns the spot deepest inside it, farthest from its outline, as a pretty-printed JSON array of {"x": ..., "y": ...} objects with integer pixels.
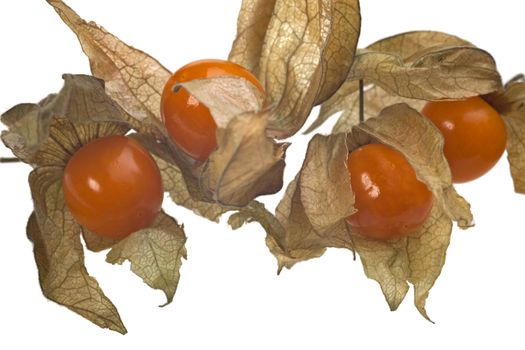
[
  {"x": 300, "y": 50},
  {"x": 510, "y": 103},
  {"x": 411, "y": 67}
]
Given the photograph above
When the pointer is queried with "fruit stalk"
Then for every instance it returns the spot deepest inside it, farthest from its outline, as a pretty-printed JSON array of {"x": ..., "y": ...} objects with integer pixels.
[
  {"x": 361, "y": 101},
  {"x": 9, "y": 160}
]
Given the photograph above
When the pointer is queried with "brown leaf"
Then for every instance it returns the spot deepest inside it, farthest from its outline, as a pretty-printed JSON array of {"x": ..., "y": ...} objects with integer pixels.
[
  {"x": 48, "y": 133},
  {"x": 59, "y": 254},
  {"x": 155, "y": 254},
  {"x": 417, "y": 258},
  {"x": 510, "y": 103},
  {"x": 310, "y": 217},
  {"x": 422, "y": 145},
  {"x": 252, "y": 24},
  {"x": 375, "y": 100},
  {"x": 246, "y": 164},
  {"x": 451, "y": 73},
  {"x": 225, "y": 97},
  {"x": 96, "y": 243},
  {"x": 306, "y": 52},
  {"x": 416, "y": 65},
  {"x": 133, "y": 79},
  {"x": 180, "y": 182}
]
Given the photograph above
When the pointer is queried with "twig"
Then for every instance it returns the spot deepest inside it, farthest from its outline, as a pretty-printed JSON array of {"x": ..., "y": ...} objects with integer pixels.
[
  {"x": 361, "y": 101},
  {"x": 9, "y": 160}
]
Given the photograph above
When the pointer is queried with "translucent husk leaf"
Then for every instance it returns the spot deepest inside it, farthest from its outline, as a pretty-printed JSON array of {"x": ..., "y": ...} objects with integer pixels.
[
  {"x": 59, "y": 255},
  {"x": 510, "y": 103},
  {"x": 48, "y": 133},
  {"x": 301, "y": 52},
  {"x": 133, "y": 79},
  {"x": 416, "y": 65},
  {"x": 450, "y": 73},
  {"x": 96, "y": 243},
  {"x": 309, "y": 217},
  {"x": 180, "y": 182},
  {"x": 247, "y": 162},
  {"x": 252, "y": 25},
  {"x": 375, "y": 100},
  {"x": 155, "y": 254},
  {"x": 312, "y": 214},
  {"x": 417, "y": 258}
]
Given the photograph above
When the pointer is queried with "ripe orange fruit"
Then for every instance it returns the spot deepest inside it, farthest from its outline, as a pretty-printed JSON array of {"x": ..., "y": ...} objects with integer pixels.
[
  {"x": 113, "y": 187},
  {"x": 189, "y": 122},
  {"x": 390, "y": 201},
  {"x": 474, "y": 133}
]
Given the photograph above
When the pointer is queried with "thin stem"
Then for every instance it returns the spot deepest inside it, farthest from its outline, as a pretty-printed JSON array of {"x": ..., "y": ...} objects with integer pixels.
[
  {"x": 361, "y": 101},
  {"x": 9, "y": 160}
]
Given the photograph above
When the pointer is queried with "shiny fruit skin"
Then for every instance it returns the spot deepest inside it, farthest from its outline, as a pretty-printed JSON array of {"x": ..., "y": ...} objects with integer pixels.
[
  {"x": 390, "y": 201},
  {"x": 113, "y": 187},
  {"x": 189, "y": 122},
  {"x": 474, "y": 133}
]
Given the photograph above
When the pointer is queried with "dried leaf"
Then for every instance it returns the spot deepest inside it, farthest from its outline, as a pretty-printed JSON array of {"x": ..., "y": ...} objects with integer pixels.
[
  {"x": 225, "y": 97},
  {"x": 417, "y": 258},
  {"x": 96, "y": 243},
  {"x": 48, "y": 133},
  {"x": 451, "y": 73},
  {"x": 307, "y": 50},
  {"x": 133, "y": 79},
  {"x": 415, "y": 65},
  {"x": 375, "y": 100},
  {"x": 180, "y": 183},
  {"x": 422, "y": 145},
  {"x": 59, "y": 254},
  {"x": 246, "y": 164},
  {"x": 310, "y": 217},
  {"x": 510, "y": 103},
  {"x": 155, "y": 254},
  {"x": 252, "y": 24},
  {"x": 515, "y": 123}
]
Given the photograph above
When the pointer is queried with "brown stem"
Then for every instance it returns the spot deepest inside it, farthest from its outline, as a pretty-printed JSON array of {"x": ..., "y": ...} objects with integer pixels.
[
  {"x": 361, "y": 101},
  {"x": 9, "y": 160}
]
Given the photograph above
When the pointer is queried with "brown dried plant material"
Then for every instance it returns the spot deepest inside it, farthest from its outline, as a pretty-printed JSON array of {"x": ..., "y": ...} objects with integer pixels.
[
  {"x": 59, "y": 255},
  {"x": 301, "y": 52},
  {"x": 135, "y": 81},
  {"x": 46, "y": 135},
  {"x": 510, "y": 103},
  {"x": 246, "y": 164},
  {"x": 415, "y": 66},
  {"x": 155, "y": 254},
  {"x": 312, "y": 215}
]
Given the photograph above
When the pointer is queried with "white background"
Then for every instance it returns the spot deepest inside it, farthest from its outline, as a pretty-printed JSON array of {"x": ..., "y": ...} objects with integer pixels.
[{"x": 229, "y": 296}]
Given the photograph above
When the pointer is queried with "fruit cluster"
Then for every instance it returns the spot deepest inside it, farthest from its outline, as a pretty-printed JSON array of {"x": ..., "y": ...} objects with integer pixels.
[{"x": 106, "y": 148}]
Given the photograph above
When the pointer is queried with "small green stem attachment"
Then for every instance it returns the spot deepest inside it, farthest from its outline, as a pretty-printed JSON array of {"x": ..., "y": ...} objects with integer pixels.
[
  {"x": 361, "y": 101},
  {"x": 9, "y": 160}
]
